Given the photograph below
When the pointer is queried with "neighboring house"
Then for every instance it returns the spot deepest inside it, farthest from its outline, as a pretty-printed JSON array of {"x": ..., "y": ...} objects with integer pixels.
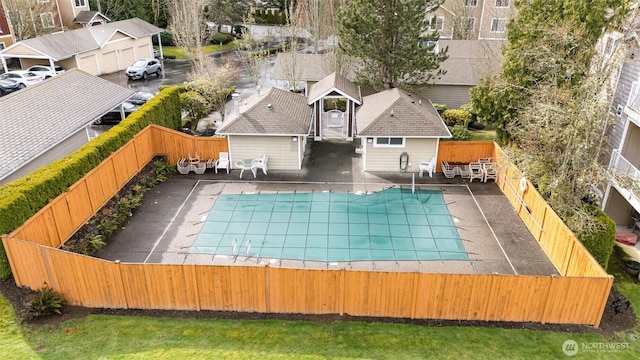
[
  {"x": 473, "y": 19},
  {"x": 6, "y": 36},
  {"x": 90, "y": 18},
  {"x": 393, "y": 122},
  {"x": 278, "y": 123},
  {"x": 96, "y": 50},
  {"x": 70, "y": 10},
  {"x": 49, "y": 120},
  {"x": 622, "y": 197},
  {"x": 468, "y": 62},
  {"x": 31, "y": 18},
  {"x": 275, "y": 122}
]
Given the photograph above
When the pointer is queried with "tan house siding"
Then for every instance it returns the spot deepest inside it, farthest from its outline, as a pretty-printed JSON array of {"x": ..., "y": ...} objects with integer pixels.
[
  {"x": 451, "y": 95},
  {"x": 69, "y": 11},
  {"x": 282, "y": 151},
  {"x": 22, "y": 50},
  {"x": 388, "y": 158},
  {"x": 483, "y": 13}
]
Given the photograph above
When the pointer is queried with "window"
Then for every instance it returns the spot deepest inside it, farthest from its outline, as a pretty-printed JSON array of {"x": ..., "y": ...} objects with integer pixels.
[
  {"x": 471, "y": 2},
  {"x": 389, "y": 141},
  {"x": 498, "y": 25},
  {"x": 468, "y": 23},
  {"x": 47, "y": 20},
  {"x": 502, "y": 3},
  {"x": 437, "y": 23},
  {"x": 2, "y": 46},
  {"x": 81, "y": 3},
  {"x": 634, "y": 96},
  {"x": 43, "y": 1}
]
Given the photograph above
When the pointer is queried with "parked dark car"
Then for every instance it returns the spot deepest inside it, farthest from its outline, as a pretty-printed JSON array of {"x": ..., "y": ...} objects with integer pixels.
[
  {"x": 140, "y": 97},
  {"x": 114, "y": 115},
  {"x": 8, "y": 86}
]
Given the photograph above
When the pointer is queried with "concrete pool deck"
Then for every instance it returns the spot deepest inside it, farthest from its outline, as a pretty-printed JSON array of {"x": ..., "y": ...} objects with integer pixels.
[{"x": 164, "y": 228}]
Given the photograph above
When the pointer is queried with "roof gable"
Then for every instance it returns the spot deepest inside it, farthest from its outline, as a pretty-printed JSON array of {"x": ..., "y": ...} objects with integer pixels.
[
  {"x": 274, "y": 112},
  {"x": 88, "y": 17},
  {"x": 396, "y": 113},
  {"x": 335, "y": 83}
]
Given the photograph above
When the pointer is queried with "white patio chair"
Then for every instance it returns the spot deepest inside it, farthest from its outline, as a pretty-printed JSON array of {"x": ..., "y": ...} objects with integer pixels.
[
  {"x": 449, "y": 171},
  {"x": 260, "y": 164},
  {"x": 428, "y": 166},
  {"x": 223, "y": 162},
  {"x": 183, "y": 166},
  {"x": 490, "y": 172},
  {"x": 476, "y": 171}
]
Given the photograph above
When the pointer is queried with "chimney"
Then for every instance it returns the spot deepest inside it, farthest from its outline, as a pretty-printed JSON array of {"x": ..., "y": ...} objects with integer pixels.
[
  {"x": 236, "y": 102},
  {"x": 258, "y": 88}
]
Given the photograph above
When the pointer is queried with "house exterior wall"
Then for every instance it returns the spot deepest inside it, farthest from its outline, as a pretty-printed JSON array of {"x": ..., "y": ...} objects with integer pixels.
[
  {"x": 482, "y": 11},
  {"x": 115, "y": 56},
  {"x": 69, "y": 9},
  {"x": 452, "y": 95},
  {"x": 66, "y": 147},
  {"x": 388, "y": 158},
  {"x": 6, "y": 37},
  {"x": 284, "y": 154}
]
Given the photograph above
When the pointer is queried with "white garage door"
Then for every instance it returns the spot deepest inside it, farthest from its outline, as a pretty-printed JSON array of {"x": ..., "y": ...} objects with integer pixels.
[
  {"x": 125, "y": 58},
  {"x": 109, "y": 62},
  {"x": 89, "y": 64}
]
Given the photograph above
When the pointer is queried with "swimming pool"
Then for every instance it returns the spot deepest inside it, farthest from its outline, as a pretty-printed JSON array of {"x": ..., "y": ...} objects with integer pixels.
[{"x": 391, "y": 225}]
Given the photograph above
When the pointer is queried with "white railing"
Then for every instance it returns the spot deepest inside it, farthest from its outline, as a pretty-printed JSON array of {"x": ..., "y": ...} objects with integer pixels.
[{"x": 625, "y": 174}]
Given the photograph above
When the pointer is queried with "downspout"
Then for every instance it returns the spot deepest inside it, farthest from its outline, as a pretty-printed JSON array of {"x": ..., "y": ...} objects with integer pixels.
[{"x": 484, "y": 3}]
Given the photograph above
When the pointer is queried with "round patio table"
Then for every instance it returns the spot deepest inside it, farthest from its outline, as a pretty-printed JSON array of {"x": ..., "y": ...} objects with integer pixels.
[{"x": 245, "y": 164}]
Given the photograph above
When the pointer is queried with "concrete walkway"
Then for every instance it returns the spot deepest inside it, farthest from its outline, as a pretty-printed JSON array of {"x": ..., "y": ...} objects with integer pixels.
[{"x": 164, "y": 227}]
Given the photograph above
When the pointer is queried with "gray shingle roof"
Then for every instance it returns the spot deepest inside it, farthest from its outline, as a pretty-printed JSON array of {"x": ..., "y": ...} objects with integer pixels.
[
  {"x": 469, "y": 61},
  {"x": 288, "y": 114},
  {"x": 395, "y": 113},
  {"x": 308, "y": 67},
  {"x": 85, "y": 17},
  {"x": 334, "y": 82},
  {"x": 66, "y": 44},
  {"x": 41, "y": 116}
]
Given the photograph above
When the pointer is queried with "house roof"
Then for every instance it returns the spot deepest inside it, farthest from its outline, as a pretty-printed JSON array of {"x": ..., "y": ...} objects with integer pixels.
[
  {"x": 60, "y": 46},
  {"x": 41, "y": 116},
  {"x": 274, "y": 112},
  {"x": 334, "y": 83},
  {"x": 305, "y": 67},
  {"x": 87, "y": 17},
  {"x": 396, "y": 113},
  {"x": 469, "y": 61}
]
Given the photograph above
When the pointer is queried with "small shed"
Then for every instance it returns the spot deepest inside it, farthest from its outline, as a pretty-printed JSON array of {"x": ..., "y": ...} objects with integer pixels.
[
  {"x": 49, "y": 120},
  {"x": 334, "y": 100},
  {"x": 274, "y": 122},
  {"x": 393, "y": 122}
]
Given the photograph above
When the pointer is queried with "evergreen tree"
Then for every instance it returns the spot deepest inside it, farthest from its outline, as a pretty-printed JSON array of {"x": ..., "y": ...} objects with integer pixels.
[{"x": 392, "y": 40}]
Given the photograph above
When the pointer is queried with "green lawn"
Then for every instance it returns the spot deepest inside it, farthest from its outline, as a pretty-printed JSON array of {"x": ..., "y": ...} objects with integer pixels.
[
  {"x": 177, "y": 53},
  {"x": 486, "y": 134},
  {"x": 119, "y": 337}
]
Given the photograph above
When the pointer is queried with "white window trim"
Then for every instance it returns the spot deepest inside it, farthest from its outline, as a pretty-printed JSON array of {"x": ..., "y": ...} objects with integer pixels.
[
  {"x": 608, "y": 39},
  {"x": 83, "y": 3},
  {"x": 502, "y": 6},
  {"x": 497, "y": 20},
  {"x": 471, "y": 3},
  {"x": 43, "y": 1},
  {"x": 466, "y": 23},
  {"x": 53, "y": 22},
  {"x": 634, "y": 92},
  {"x": 375, "y": 142},
  {"x": 431, "y": 23}
]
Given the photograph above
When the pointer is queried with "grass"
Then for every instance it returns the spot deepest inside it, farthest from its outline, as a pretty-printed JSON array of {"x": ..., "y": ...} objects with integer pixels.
[
  {"x": 119, "y": 337},
  {"x": 177, "y": 53},
  {"x": 488, "y": 133}
]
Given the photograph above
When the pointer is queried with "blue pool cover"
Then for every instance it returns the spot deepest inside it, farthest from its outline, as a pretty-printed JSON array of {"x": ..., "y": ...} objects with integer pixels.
[{"x": 391, "y": 225}]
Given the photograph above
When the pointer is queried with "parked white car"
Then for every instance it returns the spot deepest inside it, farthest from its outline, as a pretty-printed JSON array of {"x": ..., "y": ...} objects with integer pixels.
[
  {"x": 24, "y": 78},
  {"x": 142, "y": 68},
  {"x": 46, "y": 71}
]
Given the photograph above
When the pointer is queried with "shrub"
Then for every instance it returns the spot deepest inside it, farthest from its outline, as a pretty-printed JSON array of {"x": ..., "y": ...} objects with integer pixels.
[
  {"x": 45, "y": 302},
  {"x": 166, "y": 37},
  {"x": 440, "y": 108},
  {"x": 218, "y": 38},
  {"x": 453, "y": 117},
  {"x": 601, "y": 241},
  {"x": 460, "y": 133}
]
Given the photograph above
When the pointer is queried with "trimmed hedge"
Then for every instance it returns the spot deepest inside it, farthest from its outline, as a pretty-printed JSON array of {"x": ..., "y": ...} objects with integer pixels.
[
  {"x": 22, "y": 198},
  {"x": 453, "y": 117}
]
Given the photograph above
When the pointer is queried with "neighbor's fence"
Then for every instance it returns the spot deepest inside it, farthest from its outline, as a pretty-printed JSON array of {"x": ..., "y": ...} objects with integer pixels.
[{"x": 579, "y": 297}]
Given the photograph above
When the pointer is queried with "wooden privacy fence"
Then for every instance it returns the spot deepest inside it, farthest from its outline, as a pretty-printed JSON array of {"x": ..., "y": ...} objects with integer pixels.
[
  {"x": 578, "y": 297},
  {"x": 94, "y": 282}
]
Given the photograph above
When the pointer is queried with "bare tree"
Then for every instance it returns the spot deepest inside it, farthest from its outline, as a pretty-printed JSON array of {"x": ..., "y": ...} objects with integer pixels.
[
  {"x": 29, "y": 18},
  {"x": 214, "y": 86},
  {"x": 187, "y": 25},
  {"x": 293, "y": 63},
  {"x": 251, "y": 51}
]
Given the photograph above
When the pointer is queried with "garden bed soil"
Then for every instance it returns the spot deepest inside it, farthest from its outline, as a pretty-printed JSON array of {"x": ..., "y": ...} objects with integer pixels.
[{"x": 617, "y": 317}]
